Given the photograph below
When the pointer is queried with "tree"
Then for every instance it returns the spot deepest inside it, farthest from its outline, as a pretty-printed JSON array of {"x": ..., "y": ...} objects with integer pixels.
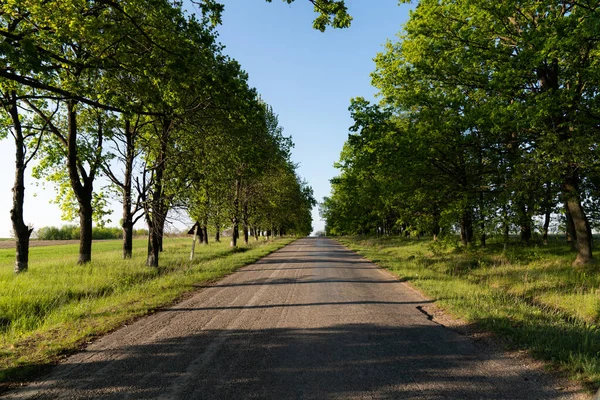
[
  {"x": 541, "y": 59},
  {"x": 67, "y": 49},
  {"x": 27, "y": 136},
  {"x": 127, "y": 150},
  {"x": 149, "y": 80},
  {"x": 486, "y": 96},
  {"x": 78, "y": 152},
  {"x": 332, "y": 13}
]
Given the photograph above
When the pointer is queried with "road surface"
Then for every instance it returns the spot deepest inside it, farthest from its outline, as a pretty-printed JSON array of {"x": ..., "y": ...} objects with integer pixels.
[{"x": 311, "y": 321}]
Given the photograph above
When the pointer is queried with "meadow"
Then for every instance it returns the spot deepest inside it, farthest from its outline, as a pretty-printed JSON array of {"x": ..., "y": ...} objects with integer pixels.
[
  {"x": 57, "y": 306},
  {"x": 529, "y": 296}
]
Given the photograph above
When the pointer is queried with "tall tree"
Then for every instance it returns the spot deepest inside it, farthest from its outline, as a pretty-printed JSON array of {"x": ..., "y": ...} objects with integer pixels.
[{"x": 27, "y": 136}]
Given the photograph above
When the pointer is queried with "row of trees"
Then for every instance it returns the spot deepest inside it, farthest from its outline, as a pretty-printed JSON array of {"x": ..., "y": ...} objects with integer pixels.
[
  {"x": 140, "y": 92},
  {"x": 489, "y": 120}
]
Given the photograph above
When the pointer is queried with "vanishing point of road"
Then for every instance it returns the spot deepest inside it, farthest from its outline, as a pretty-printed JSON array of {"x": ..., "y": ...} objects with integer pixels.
[{"x": 310, "y": 321}]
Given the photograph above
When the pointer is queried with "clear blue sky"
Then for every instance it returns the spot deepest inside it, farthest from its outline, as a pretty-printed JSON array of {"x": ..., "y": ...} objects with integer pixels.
[{"x": 307, "y": 76}]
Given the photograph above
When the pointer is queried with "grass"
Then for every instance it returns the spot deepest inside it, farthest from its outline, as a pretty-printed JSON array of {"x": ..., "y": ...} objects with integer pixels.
[
  {"x": 57, "y": 305},
  {"x": 529, "y": 296}
]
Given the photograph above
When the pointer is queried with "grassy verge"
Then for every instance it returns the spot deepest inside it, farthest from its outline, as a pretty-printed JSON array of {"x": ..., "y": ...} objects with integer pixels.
[
  {"x": 529, "y": 296},
  {"x": 57, "y": 305}
]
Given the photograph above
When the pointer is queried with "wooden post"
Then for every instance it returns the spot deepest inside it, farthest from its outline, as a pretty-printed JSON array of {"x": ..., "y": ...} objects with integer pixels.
[{"x": 195, "y": 229}]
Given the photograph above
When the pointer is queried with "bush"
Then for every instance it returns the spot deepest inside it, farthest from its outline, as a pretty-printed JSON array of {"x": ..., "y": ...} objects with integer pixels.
[
  {"x": 140, "y": 232},
  {"x": 71, "y": 232},
  {"x": 107, "y": 233},
  {"x": 66, "y": 232}
]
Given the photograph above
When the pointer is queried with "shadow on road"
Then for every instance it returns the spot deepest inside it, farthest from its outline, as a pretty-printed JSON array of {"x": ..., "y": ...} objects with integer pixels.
[
  {"x": 313, "y": 260},
  {"x": 267, "y": 306},
  {"x": 295, "y": 281},
  {"x": 303, "y": 268},
  {"x": 339, "y": 362}
]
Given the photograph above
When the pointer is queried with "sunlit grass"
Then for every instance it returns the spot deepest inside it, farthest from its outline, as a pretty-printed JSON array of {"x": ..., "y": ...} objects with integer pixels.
[
  {"x": 530, "y": 296},
  {"x": 58, "y": 305}
]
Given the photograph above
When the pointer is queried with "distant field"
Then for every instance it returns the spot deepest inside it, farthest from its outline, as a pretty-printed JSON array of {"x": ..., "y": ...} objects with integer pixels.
[
  {"x": 9, "y": 243},
  {"x": 528, "y": 295},
  {"x": 58, "y": 305}
]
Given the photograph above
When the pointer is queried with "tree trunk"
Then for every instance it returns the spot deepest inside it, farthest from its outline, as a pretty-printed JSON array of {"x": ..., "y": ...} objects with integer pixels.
[
  {"x": 546, "y": 225},
  {"x": 505, "y": 225},
  {"x": 205, "y": 233},
  {"x": 21, "y": 231},
  {"x": 236, "y": 211},
  {"x": 161, "y": 233},
  {"x": 200, "y": 233},
  {"x": 466, "y": 228},
  {"x": 155, "y": 238},
  {"x": 127, "y": 238},
  {"x": 127, "y": 214},
  {"x": 157, "y": 214},
  {"x": 85, "y": 233},
  {"x": 582, "y": 230},
  {"x": 525, "y": 223},
  {"x": 22, "y": 250},
  {"x": 218, "y": 233},
  {"x": 245, "y": 221},
  {"x": 547, "y": 208},
  {"x": 526, "y": 232},
  {"x": 483, "y": 235},
  {"x": 234, "y": 233},
  {"x": 589, "y": 232},
  {"x": 153, "y": 248},
  {"x": 570, "y": 229}
]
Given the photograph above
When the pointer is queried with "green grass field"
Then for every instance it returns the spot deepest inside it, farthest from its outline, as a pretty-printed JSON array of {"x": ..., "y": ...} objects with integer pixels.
[
  {"x": 529, "y": 296},
  {"x": 58, "y": 305}
]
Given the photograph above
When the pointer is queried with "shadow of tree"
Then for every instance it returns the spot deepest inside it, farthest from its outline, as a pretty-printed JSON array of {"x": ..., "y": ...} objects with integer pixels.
[
  {"x": 399, "y": 356},
  {"x": 343, "y": 361}
]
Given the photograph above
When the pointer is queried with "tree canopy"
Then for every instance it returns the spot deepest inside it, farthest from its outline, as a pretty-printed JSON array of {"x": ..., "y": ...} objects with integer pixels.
[
  {"x": 487, "y": 121},
  {"x": 332, "y": 13},
  {"x": 141, "y": 93}
]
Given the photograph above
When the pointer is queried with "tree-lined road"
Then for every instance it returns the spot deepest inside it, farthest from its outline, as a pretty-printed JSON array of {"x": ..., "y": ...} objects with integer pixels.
[{"x": 312, "y": 320}]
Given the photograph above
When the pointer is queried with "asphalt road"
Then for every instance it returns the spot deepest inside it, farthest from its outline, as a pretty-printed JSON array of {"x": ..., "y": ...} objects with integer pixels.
[{"x": 311, "y": 321}]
